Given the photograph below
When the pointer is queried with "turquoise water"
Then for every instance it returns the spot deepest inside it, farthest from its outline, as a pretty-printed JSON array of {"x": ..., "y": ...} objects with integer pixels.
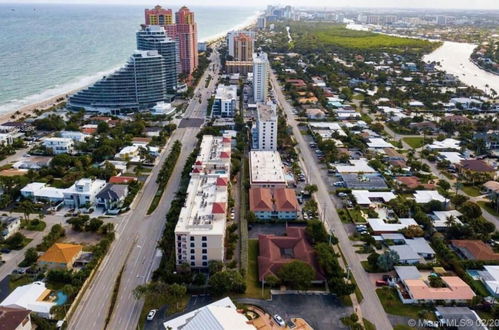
[
  {"x": 61, "y": 298},
  {"x": 47, "y": 50}
]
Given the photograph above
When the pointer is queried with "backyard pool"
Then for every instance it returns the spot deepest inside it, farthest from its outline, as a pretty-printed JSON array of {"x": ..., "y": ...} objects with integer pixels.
[
  {"x": 474, "y": 274},
  {"x": 61, "y": 298}
]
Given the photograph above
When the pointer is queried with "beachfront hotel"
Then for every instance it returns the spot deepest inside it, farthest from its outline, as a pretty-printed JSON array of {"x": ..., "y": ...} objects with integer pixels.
[
  {"x": 140, "y": 84},
  {"x": 200, "y": 230},
  {"x": 183, "y": 30}
]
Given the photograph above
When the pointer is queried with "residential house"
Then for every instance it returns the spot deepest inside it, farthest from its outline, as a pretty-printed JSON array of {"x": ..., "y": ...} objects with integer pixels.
[
  {"x": 60, "y": 255},
  {"x": 314, "y": 113},
  {"x": 15, "y": 319},
  {"x": 368, "y": 198},
  {"x": 490, "y": 139},
  {"x": 426, "y": 196},
  {"x": 112, "y": 197},
  {"x": 32, "y": 163},
  {"x": 442, "y": 219},
  {"x": 58, "y": 145},
  {"x": 471, "y": 167},
  {"x": 381, "y": 226},
  {"x": 414, "y": 288},
  {"x": 83, "y": 192},
  {"x": 34, "y": 297},
  {"x": 355, "y": 166},
  {"x": 447, "y": 144},
  {"x": 74, "y": 135},
  {"x": 122, "y": 179},
  {"x": 21, "y": 126},
  {"x": 461, "y": 315},
  {"x": 474, "y": 250},
  {"x": 129, "y": 153},
  {"x": 424, "y": 126},
  {"x": 492, "y": 190},
  {"x": 370, "y": 181},
  {"x": 490, "y": 278},
  {"x": 9, "y": 225},
  {"x": 413, "y": 182},
  {"x": 414, "y": 250}
]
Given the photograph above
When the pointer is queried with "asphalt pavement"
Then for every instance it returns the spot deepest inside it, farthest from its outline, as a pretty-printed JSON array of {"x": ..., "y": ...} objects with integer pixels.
[
  {"x": 134, "y": 250},
  {"x": 371, "y": 306}
]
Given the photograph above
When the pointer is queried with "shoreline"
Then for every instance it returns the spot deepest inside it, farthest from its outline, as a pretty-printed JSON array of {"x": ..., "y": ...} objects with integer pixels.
[{"x": 28, "y": 109}]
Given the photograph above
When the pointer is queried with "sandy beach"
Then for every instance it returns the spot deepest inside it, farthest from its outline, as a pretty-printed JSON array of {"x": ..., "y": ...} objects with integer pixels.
[{"x": 27, "y": 110}]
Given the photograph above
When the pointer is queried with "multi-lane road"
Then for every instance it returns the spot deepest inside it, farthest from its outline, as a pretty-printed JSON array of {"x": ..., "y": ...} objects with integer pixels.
[
  {"x": 134, "y": 249},
  {"x": 371, "y": 305}
]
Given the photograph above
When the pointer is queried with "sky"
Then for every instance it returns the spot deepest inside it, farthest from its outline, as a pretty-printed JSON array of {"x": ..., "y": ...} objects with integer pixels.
[{"x": 436, "y": 4}]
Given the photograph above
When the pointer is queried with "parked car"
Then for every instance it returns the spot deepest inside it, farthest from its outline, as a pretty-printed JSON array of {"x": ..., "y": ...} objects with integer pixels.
[
  {"x": 5, "y": 250},
  {"x": 342, "y": 194},
  {"x": 381, "y": 283},
  {"x": 279, "y": 320},
  {"x": 387, "y": 278},
  {"x": 151, "y": 314},
  {"x": 339, "y": 184}
]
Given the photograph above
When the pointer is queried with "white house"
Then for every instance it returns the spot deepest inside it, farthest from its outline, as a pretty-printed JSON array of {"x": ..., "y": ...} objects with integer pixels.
[
  {"x": 59, "y": 145},
  {"x": 83, "y": 192},
  {"x": 32, "y": 297},
  {"x": 74, "y": 135},
  {"x": 9, "y": 225},
  {"x": 447, "y": 144},
  {"x": 426, "y": 196}
]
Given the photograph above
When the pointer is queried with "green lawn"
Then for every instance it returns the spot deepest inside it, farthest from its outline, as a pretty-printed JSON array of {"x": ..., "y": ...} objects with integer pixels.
[
  {"x": 253, "y": 286},
  {"x": 392, "y": 304},
  {"x": 36, "y": 225},
  {"x": 479, "y": 288},
  {"x": 368, "y": 325},
  {"x": 19, "y": 280},
  {"x": 488, "y": 208},
  {"x": 414, "y": 142},
  {"x": 471, "y": 191},
  {"x": 356, "y": 215}
]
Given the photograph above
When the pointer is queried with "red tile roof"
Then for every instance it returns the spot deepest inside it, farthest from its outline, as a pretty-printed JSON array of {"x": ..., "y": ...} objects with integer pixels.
[
  {"x": 475, "y": 249},
  {"x": 226, "y": 139},
  {"x": 89, "y": 130},
  {"x": 260, "y": 200},
  {"x": 476, "y": 165},
  {"x": 225, "y": 154},
  {"x": 276, "y": 251},
  {"x": 122, "y": 179},
  {"x": 218, "y": 208},
  {"x": 412, "y": 182},
  {"x": 198, "y": 162},
  {"x": 12, "y": 317},
  {"x": 222, "y": 181},
  {"x": 285, "y": 200}
]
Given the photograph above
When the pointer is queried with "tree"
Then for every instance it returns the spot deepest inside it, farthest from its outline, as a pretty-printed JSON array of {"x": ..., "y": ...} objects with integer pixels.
[
  {"x": 372, "y": 259},
  {"x": 296, "y": 274},
  {"x": 16, "y": 241},
  {"x": 227, "y": 281},
  {"x": 176, "y": 292},
  {"x": 78, "y": 222},
  {"x": 30, "y": 257},
  {"x": 316, "y": 232},
  {"x": 387, "y": 260},
  {"x": 310, "y": 188},
  {"x": 412, "y": 231},
  {"x": 94, "y": 225},
  {"x": 272, "y": 280},
  {"x": 215, "y": 266},
  {"x": 251, "y": 217},
  {"x": 27, "y": 207},
  {"x": 458, "y": 200},
  {"x": 444, "y": 184},
  {"x": 471, "y": 210}
]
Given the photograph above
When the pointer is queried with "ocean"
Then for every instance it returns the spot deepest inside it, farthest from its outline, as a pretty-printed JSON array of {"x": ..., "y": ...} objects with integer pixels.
[{"x": 47, "y": 50}]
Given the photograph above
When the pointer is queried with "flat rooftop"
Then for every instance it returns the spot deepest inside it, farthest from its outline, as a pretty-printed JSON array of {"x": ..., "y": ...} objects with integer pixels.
[{"x": 266, "y": 167}]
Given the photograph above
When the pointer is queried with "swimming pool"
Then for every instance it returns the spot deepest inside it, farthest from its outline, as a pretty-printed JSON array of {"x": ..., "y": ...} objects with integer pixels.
[
  {"x": 474, "y": 273},
  {"x": 61, "y": 298}
]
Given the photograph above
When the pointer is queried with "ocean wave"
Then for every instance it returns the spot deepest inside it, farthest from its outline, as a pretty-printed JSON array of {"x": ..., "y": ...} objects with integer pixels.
[{"x": 77, "y": 83}]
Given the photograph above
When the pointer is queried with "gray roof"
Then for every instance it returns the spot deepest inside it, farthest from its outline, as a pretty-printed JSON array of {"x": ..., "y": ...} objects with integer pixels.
[
  {"x": 407, "y": 272},
  {"x": 393, "y": 237},
  {"x": 420, "y": 245},
  {"x": 369, "y": 182},
  {"x": 465, "y": 317},
  {"x": 405, "y": 252},
  {"x": 113, "y": 192}
]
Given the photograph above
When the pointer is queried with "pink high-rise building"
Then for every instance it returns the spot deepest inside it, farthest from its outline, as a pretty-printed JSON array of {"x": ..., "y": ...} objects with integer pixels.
[{"x": 183, "y": 30}]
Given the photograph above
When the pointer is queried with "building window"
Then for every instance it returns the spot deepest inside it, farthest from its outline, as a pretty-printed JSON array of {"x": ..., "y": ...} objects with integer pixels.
[
  {"x": 205, "y": 264},
  {"x": 193, "y": 257},
  {"x": 203, "y": 245},
  {"x": 192, "y": 251},
  {"x": 192, "y": 238},
  {"x": 192, "y": 244},
  {"x": 205, "y": 257},
  {"x": 203, "y": 238},
  {"x": 205, "y": 251},
  {"x": 193, "y": 263}
]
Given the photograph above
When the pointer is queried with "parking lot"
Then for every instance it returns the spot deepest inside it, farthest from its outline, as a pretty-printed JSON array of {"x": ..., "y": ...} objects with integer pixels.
[{"x": 310, "y": 307}]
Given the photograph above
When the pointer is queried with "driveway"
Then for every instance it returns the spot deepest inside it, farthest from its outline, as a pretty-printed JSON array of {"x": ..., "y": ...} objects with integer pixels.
[
  {"x": 194, "y": 303},
  {"x": 312, "y": 308}
]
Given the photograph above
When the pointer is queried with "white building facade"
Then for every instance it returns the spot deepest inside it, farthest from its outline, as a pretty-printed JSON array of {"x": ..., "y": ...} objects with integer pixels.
[
  {"x": 260, "y": 77},
  {"x": 265, "y": 130},
  {"x": 200, "y": 230}
]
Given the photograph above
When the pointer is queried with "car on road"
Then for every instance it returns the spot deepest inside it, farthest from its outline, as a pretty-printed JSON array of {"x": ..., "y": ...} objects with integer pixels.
[
  {"x": 279, "y": 320},
  {"x": 5, "y": 250},
  {"x": 151, "y": 314}
]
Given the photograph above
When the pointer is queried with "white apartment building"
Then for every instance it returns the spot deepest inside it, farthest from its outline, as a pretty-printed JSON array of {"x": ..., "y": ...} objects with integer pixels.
[
  {"x": 266, "y": 170},
  {"x": 265, "y": 130},
  {"x": 225, "y": 102},
  {"x": 260, "y": 77},
  {"x": 59, "y": 145},
  {"x": 200, "y": 230}
]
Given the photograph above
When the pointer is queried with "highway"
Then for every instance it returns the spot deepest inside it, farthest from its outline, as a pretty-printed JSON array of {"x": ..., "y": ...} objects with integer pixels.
[
  {"x": 134, "y": 250},
  {"x": 371, "y": 305}
]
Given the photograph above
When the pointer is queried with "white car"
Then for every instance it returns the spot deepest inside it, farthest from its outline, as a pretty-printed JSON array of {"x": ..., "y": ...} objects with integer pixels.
[
  {"x": 151, "y": 314},
  {"x": 279, "y": 320}
]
